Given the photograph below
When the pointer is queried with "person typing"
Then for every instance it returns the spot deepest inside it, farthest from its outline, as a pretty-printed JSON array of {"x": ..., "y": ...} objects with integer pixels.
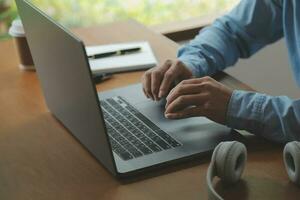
[{"x": 250, "y": 26}]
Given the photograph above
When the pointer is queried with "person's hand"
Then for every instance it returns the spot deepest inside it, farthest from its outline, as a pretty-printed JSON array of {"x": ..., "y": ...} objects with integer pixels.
[
  {"x": 158, "y": 81},
  {"x": 199, "y": 97}
]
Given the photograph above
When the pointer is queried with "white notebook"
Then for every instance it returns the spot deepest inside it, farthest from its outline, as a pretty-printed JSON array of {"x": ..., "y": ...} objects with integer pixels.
[{"x": 142, "y": 59}]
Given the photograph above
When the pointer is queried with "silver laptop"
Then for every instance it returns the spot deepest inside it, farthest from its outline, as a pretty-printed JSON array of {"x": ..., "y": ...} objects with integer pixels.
[{"x": 124, "y": 130}]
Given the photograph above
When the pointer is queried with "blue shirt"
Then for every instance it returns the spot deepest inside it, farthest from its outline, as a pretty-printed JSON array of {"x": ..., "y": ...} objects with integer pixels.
[{"x": 250, "y": 26}]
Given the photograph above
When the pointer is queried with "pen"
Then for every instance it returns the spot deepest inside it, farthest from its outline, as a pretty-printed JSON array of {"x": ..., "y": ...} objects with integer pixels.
[
  {"x": 115, "y": 53},
  {"x": 97, "y": 78}
]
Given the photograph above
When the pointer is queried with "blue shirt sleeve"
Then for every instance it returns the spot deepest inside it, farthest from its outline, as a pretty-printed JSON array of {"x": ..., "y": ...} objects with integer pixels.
[
  {"x": 251, "y": 25},
  {"x": 275, "y": 118}
]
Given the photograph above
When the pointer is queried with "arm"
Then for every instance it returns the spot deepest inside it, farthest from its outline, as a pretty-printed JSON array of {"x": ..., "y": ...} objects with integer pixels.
[
  {"x": 251, "y": 25},
  {"x": 275, "y": 118}
]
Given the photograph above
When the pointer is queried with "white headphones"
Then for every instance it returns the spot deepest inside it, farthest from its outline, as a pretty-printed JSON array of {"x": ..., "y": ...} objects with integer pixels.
[{"x": 229, "y": 159}]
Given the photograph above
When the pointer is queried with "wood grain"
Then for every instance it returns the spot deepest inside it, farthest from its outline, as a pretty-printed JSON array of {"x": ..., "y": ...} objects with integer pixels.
[{"x": 40, "y": 160}]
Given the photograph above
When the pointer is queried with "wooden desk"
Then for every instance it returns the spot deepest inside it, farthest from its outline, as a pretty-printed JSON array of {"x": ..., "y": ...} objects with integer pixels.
[{"x": 39, "y": 159}]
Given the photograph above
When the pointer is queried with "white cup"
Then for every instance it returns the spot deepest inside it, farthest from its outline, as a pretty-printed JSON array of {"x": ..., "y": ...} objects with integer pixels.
[{"x": 17, "y": 32}]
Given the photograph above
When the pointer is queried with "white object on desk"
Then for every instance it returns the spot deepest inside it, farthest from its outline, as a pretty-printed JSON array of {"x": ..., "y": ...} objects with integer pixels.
[{"x": 142, "y": 59}]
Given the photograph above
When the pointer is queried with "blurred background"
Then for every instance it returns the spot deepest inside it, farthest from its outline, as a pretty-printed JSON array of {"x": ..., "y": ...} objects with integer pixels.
[
  {"x": 82, "y": 13},
  {"x": 162, "y": 13}
]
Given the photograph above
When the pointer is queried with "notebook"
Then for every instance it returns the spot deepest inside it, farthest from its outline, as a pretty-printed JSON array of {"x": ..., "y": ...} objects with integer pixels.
[{"x": 142, "y": 59}]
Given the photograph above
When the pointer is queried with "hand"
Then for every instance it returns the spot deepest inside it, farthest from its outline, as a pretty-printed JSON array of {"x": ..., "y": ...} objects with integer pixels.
[
  {"x": 199, "y": 97},
  {"x": 158, "y": 81}
]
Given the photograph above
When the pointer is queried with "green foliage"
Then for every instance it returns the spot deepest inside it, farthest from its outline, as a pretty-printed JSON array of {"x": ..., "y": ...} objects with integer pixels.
[
  {"x": 8, "y": 14},
  {"x": 149, "y": 12},
  {"x": 78, "y": 13}
]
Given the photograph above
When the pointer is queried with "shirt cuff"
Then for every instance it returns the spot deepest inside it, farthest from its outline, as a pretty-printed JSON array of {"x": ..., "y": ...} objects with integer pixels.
[
  {"x": 196, "y": 65},
  {"x": 245, "y": 111}
]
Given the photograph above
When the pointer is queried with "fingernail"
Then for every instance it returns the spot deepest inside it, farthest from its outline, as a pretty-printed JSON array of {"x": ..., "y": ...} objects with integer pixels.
[
  {"x": 170, "y": 116},
  {"x": 160, "y": 94},
  {"x": 167, "y": 97},
  {"x": 167, "y": 104}
]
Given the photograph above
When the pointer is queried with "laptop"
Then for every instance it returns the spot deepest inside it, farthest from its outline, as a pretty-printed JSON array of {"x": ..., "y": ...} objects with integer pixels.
[{"x": 121, "y": 128}]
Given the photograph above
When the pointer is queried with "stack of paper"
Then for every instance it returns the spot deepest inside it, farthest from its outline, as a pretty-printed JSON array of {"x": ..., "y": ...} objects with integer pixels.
[{"x": 142, "y": 59}]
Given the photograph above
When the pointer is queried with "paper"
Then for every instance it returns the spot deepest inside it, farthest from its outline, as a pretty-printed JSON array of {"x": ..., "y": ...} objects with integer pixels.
[{"x": 136, "y": 61}]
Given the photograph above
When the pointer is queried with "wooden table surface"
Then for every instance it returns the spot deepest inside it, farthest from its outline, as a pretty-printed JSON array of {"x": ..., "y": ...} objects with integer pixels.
[{"x": 39, "y": 159}]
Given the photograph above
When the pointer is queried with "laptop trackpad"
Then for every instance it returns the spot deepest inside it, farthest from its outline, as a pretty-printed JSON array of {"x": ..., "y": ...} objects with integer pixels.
[{"x": 186, "y": 130}]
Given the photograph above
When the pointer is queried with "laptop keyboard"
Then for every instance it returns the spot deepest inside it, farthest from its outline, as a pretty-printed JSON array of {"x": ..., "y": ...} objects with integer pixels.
[{"x": 131, "y": 133}]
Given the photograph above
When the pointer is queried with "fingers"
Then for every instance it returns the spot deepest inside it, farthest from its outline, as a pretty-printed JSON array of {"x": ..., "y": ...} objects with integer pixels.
[
  {"x": 186, "y": 101},
  {"x": 157, "y": 77},
  {"x": 152, "y": 79},
  {"x": 188, "y": 87},
  {"x": 145, "y": 92},
  {"x": 146, "y": 81},
  {"x": 183, "y": 89},
  {"x": 158, "y": 81},
  {"x": 199, "y": 97},
  {"x": 188, "y": 112},
  {"x": 198, "y": 80},
  {"x": 169, "y": 77}
]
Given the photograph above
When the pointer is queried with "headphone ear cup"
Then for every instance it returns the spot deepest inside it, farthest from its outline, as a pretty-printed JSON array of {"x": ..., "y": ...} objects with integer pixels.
[
  {"x": 291, "y": 157},
  {"x": 230, "y": 161}
]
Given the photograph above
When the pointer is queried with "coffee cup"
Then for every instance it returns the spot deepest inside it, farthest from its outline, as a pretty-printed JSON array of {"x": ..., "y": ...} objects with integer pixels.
[{"x": 17, "y": 32}]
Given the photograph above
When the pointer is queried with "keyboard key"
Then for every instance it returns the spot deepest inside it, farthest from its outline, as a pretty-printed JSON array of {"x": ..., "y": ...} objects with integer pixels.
[
  {"x": 120, "y": 150},
  {"x": 131, "y": 133}
]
